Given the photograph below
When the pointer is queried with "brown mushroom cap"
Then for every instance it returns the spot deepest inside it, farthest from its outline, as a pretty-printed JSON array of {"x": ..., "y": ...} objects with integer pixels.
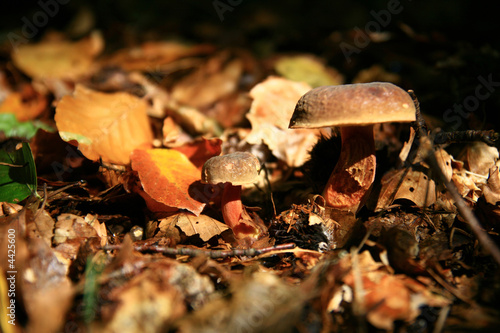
[
  {"x": 353, "y": 105},
  {"x": 238, "y": 168}
]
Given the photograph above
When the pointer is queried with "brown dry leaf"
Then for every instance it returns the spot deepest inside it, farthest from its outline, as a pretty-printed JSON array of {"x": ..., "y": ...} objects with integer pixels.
[
  {"x": 70, "y": 227},
  {"x": 444, "y": 161},
  {"x": 272, "y": 108},
  {"x": 466, "y": 185},
  {"x": 202, "y": 225},
  {"x": 417, "y": 187},
  {"x": 42, "y": 227},
  {"x": 107, "y": 126},
  {"x": 261, "y": 302},
  {"x": 308, "y": 69},
  {"x": 99, "y": 227},
  {"x": 478, "y": 157},
  {"x": 376, "y": 73},
  {"x": 405, "y": 151},
  {"x": 491, "y": 190},
  {"x": 195, "y": 121},
  {"x": 147, "y": 303},
  {"x": 230, "y": 111},
  {"x": 59, "y": 59},
  {"x": 164, "y": 228},
  {"x": 26, "y": 105},
  {"x": 387, "y": 298},
  {"x": 166, "y": 176},
  {"x": 70, "y": 233},
  {"x": 208, "y": 84},
  {"x": 48, "y": 291},
  {"x": 154, "y": 56}
]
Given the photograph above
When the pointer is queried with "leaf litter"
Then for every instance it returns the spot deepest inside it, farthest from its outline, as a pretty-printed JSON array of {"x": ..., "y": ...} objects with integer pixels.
[{"x": 140, "y": 245}]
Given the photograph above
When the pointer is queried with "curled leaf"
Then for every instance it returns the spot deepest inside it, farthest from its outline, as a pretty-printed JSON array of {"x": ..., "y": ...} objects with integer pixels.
[
  {"x": 416, "y": 187},
  {"x": 166, "y": 175}
]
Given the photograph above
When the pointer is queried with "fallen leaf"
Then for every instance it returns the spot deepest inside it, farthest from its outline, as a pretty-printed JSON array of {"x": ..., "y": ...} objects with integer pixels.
[
  {"x": 308, "y": 69},
  {"x": 388, "y": 298},
  {"x": 154, "y": 56},
  {"x": 170, "y": 130},
  {"x": 195, "y": 121},
  {"x": 416, "y": 187},
  {"x": 204, "y": 226},
  {"x": 466, "y": 185},
  {"x": 71, "y": 227},
  {"x": 259, "y": 303},
  {"x": 42, "y": 226},
  {"x": 50, "y": 291},
  {"x": 444, "y": 161},
  {"x": 478, "y": 157},
  {"x": 107, "y": 126},
  {"x": 199, "y": 151},
  {"x": 209, "y": 82},
  {"x": 272, "y": 107},
  {"x": 376, "y": 73},
  {"x": 26, "y": 105},
  {"x": 166, "y": 176},
  {"x": 146, "y": 303},
  {"x": 59, "y": 59},
  {"x": 491, "y": 190}
]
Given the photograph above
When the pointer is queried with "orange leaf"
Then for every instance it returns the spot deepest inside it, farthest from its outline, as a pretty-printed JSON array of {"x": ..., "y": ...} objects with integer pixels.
[
  {"x": 201, "y": 150},
  {"x": 166, "y": 175},
  {"x": 109, "y": 126},
  {"x": 26, "y": 105}
]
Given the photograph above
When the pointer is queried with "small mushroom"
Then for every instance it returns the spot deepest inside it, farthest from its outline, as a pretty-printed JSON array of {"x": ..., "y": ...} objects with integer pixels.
[
  {"x": 354, "y": 108},
  {"x": 234, "y": 170}
]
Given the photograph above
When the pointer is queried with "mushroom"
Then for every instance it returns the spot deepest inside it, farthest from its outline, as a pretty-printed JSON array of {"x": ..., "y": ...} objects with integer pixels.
[
  {"x": 354, "y": 108},
  {"x": 233, "y": 170}
]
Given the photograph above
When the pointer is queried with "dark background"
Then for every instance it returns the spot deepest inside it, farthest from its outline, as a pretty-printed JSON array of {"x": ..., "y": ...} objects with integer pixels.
[{"x": 439, "y": 48}]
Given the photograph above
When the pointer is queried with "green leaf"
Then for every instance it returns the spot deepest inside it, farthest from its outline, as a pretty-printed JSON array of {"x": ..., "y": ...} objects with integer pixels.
[
  {"x": 17, "y": 172},
  {"x": 13, "y": 128}
]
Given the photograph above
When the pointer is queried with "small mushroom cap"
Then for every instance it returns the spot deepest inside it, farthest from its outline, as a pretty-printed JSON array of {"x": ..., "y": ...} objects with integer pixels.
[
  {"x": 238, "y": 168},
  {"x": 353, "y": 105}
]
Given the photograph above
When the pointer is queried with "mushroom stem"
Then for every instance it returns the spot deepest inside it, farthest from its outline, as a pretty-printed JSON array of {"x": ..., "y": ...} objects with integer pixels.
[
  {"x": 353, "y": 176},
  {"x": 231, "y": 205},
  {"x": 232, "y": 211}
]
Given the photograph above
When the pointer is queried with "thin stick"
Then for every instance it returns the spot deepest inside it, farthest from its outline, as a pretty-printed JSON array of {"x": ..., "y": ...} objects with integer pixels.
[
  {"x": 421, "y": 126},
  {"x": 214, "y": 254},
  {"x": 462, "y": 207},
  {"x": 464, "y": 210}
]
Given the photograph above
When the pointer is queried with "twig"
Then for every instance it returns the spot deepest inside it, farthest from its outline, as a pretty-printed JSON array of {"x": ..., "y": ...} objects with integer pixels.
[
  {"x": 489, "y": 137},
  {"x": 427, "y": 146},
  {"x": 443, "y": 314},
  {"x": 64, "y": 188},
  {"x": 213, "y": 254},
  {"x": 420, "y": 125}
]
